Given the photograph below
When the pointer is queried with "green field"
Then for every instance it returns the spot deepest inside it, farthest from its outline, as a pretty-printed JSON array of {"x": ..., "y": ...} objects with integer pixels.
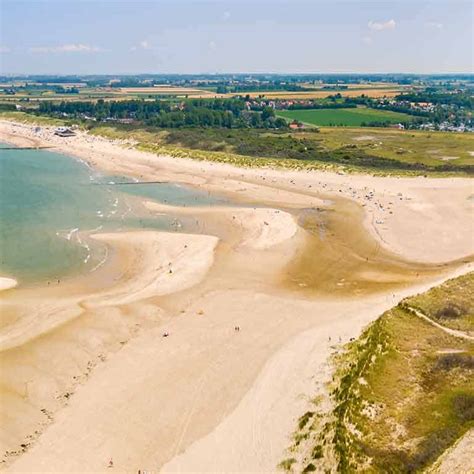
[{"x": 343, "y": 117}]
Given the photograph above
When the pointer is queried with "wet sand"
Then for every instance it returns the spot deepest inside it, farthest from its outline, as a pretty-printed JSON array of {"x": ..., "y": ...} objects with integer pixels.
[{"x": 98, "y": 380}]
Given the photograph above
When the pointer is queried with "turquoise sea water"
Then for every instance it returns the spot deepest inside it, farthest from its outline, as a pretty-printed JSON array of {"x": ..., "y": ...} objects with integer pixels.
[{"x": 50, "y": 202}]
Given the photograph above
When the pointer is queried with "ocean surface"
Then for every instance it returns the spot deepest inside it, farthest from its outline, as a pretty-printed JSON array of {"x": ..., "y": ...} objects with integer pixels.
[{"x": 50, "y": 203}]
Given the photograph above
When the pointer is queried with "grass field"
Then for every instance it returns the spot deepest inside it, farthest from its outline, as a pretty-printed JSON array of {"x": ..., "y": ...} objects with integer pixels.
[
  {"x": 402, "y": 395},
  {"x": 343, "y": 117}
]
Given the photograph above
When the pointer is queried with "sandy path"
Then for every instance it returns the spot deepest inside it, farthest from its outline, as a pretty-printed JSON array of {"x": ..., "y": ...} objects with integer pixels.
[
  {"x": 452, "y": 332},
  {"x": 457, "y": 459}
]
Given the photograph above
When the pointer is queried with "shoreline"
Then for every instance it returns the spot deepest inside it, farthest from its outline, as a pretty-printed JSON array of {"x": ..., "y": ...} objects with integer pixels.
[
  {"x": 393, "y": 205},
  {"x": 7, "y": 283},
  {"x": 217, "y": 385}
]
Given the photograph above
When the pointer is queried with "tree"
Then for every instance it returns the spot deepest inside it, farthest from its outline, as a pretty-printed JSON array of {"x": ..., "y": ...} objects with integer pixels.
[{"x": 267, "y": 113}]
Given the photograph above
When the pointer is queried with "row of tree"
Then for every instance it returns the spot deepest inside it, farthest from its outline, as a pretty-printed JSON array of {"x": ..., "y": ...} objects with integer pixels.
[{"x": 220, "y": 113}]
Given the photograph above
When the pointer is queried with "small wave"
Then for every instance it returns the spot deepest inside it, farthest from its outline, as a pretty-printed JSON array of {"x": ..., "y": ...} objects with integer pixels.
[
  {"x": 71, "y": 233},
  {"x": 97, "y": 228},
  {"x": 129, "y": 209},
  {"x": 115, "y": 206},
  {"x": 84, "y": 245},
  {"x": 102, "y": 261}
]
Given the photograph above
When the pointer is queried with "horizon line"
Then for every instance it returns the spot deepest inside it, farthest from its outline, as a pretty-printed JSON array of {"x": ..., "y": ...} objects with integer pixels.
[{"x": 438, "y": 73}]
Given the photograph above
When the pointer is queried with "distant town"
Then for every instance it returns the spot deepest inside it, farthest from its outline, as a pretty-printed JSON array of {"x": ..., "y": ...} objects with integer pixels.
[{"x": 416, "y": 102}]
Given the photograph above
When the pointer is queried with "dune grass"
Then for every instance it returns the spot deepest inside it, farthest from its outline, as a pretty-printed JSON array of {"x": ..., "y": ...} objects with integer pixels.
[
  {"x": 402, "y": 394},
  {"x": 432, "y": 149},
  {"x": 451, "y": 304},
  {"x": 366, "y": 150},
  {"x": 31, "y": 119},
  {"x": 376, "y": 151}
]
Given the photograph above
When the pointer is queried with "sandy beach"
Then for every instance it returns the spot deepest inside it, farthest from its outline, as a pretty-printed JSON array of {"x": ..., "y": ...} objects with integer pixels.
[
  {"x": 142, "y": 362},
  {"x": 7, "y": 283}
]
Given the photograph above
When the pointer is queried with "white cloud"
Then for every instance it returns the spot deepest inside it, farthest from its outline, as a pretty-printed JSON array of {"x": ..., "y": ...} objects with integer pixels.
[
  {"x": 66, "y": 48},
  {"x": 212, "y": 45},
  {"x": 380, "y": 26},
  {"x": 5, "y": 49},
  {"x": 433, "y": 24},
  {"x": 226, "y": 16},
  {"x": 144, "y": 44}
]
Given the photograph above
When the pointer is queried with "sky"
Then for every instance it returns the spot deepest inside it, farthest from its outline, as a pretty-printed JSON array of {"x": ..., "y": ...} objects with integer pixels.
[{"x": 231, "y": 36}]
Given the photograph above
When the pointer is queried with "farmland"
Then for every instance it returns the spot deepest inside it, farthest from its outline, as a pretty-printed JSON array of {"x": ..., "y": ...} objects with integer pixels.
[
  {"x": 22, "y": 89},
  {"x": 343, "y": 117},
  {"x": 119, "y": 93},
  {"x": 106, "y": 93},
  {"x": 322, "y": 93}
]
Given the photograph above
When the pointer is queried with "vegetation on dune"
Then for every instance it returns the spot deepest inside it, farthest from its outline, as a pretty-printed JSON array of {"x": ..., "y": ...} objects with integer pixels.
[
  {"x": 431, "y": 149},
  {"x": 402, "y": 394},
  {"x": 451, "y": 304},
  {"x": 311, "y": 149},
  {"x": 31, "y": 119},
  {"x": 350, "y": 149}
]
